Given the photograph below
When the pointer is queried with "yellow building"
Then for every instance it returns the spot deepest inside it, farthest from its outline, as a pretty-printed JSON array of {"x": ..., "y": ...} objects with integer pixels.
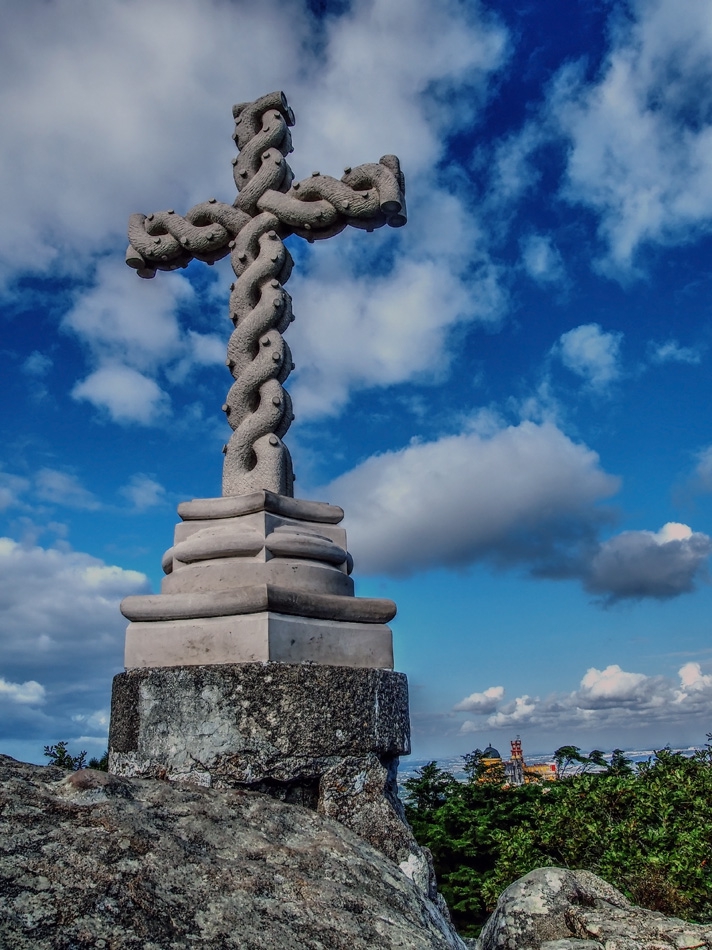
[{"x": 515, "y": 771}]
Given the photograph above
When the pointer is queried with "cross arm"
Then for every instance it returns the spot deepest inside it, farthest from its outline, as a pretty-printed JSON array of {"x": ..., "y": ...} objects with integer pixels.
[
  {"x": 368, "y": 196},
  {"x": 166, "y": 240}
]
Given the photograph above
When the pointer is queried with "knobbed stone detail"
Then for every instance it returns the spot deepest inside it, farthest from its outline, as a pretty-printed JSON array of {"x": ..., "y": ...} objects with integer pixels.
[{"x": 269, "y": 207}]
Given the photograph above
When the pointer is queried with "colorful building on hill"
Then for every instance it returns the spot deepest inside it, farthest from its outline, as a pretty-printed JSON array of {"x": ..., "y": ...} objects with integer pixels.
[{"x": 515, "y": 771}]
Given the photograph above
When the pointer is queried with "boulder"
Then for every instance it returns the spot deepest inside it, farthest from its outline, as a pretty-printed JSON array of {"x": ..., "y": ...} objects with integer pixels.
[
  {"x": 90, "y": 859},
  {"x": 558, "y": 909}
]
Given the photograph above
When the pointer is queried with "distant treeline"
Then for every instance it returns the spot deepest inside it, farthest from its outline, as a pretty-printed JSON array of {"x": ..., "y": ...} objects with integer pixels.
[{"x": 645, "y": 828}]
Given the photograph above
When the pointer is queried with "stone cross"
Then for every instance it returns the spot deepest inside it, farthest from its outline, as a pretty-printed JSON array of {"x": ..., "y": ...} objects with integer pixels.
[
  {"x": 256, "y": 666},
  {"x": 269, "y": 207}
]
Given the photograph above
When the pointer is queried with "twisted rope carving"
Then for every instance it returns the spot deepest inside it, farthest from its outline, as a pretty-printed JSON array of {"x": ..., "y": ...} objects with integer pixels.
[{"x": 269, "y": 207}]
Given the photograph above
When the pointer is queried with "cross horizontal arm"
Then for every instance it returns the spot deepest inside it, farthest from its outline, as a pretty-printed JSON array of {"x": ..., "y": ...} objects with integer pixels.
[{"x": 368, "y": 197}]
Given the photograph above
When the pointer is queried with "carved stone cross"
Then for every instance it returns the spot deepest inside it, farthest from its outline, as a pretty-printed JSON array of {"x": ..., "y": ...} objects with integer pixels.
[{"x": 269, "y": 207}]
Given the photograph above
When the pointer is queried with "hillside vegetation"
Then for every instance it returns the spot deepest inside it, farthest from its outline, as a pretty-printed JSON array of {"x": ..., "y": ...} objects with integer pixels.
[{"x": 645, "y": 829}]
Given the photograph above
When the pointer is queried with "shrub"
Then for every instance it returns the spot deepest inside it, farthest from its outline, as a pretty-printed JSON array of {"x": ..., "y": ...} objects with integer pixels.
[{"x": 647, "y": 831}]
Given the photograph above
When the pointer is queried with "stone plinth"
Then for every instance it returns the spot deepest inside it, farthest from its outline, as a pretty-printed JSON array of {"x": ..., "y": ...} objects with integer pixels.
[
  {"x": 258, "y": 577},
  {"x": 258, "y": 637},
  {"x": 326, "y": 737}
]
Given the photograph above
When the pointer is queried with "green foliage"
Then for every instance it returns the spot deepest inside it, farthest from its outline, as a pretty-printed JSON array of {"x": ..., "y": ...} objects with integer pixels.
[
  {"x": 646, "y": 831},
  {"x": 102, "y": 764},
  {"x": 59, "y": 755}
]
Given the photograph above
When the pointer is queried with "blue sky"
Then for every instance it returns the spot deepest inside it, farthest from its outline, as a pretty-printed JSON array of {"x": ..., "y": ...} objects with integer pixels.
[{"x": 509, "y": 396}]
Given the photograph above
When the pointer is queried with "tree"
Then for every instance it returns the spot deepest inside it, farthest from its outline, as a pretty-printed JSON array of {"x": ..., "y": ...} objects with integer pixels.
[
  {"x": 102, "y": 764},
  {"x": 646, "y": 830},
  {"x": 59, "y": 755}
]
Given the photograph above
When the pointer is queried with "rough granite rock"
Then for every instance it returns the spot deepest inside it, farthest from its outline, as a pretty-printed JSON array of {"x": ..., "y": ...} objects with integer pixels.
[
  {"x": 558, "y": 909},
  {"x": 326, "y": 737},
  {"x": 90, "y": 859}
]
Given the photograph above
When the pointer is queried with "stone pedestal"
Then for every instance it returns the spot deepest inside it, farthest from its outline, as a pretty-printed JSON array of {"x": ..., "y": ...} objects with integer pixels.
[
  {"x": 256, "y": 667},
  {"x": 326, "y": 737}
]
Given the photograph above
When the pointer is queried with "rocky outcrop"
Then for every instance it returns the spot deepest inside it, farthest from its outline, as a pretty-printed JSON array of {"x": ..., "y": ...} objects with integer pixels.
[
  {"x": 326, "y": 737},
  {"x": 557, "y": 909},
  {"x": 90, "y": 859}
]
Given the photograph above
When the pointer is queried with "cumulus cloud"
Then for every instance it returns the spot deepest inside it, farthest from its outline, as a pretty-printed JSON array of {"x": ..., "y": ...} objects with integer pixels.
[
  {"x": 11, "y": 489},
  {"x": 31, "y": 692},
  {"x": 124, "y": 319},
  {"x": 132, "y": 332},
  {"x": 637, "y": 564},
  {"x": 523, "y": 494},
  {"x": 517, "y": 712},
  {"x": 354, "y": 331},
  {"x": 483, "y": 702},
  {"x": 605, "y": 698},
  {"x": 359, "y": 326},
  {"x": 639, "y": 136},
  {"x": 512, "y": 496},
  {"x": 541, "y": 259},
  {"x": 62, "y": 635},
  {"x": 613, "y": 687},
  {"x": 125, "y": 394},
  {"x": 702, "y": 475},
  {"x": 64, "y": 488},
  {"x": 37, "y": 364},
  {"x": 143, "y": 492},
  {"x": 672, "y": 352},
  {"x": 592, "y": 354},
  {"x": 693, "y": 680}
]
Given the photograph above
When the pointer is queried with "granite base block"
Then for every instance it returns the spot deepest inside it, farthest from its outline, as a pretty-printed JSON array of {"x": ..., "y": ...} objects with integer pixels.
[{"x": 326, "y": 737}]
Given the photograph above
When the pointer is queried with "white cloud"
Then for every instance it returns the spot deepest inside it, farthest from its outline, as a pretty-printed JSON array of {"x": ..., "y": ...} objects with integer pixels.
[
  {"x": 640, "y": 135},
  {"x": 124, "y": 319},
  {"x": 11, "y": 488},
  {"x": 522, "y": 494},
  {"x": 672, "y": 352},
  {"x": 637, "y": 564},
  {"x": 37, "y": 364},
  {"x": 125, "y": 94},
  {"x": 375, "y": 331},
  {"x": 606, "y": 698},
  {"x": 612, "y": 687},
  {"x": 693, "y": 680},
  {"x": 515, "y": 713},
  {"x": 31, "y": 692},
  {"x": 97, "y": 723},
  {"x": 592, "y": 354},
  {"x": 143, "y": 492},
  {"x": 131, "y": 326},
  {"x": 513, "y": 172},
  {"x": 484, "y": 702},
  {"x": 125, "y": 394},
  {"x": 702, "y": 475},
  {"x": 54, "y": 600},
  {"x": 61, "y": 628},
  {"x": 63, "y": 488},
  {"x": 541, "y": 259}
]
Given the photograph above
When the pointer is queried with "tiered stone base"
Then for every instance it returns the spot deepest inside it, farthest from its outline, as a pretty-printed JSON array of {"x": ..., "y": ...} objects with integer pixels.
[
  {"x": 259, "y": 577},
  {"x": 326, "y": 737}
]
